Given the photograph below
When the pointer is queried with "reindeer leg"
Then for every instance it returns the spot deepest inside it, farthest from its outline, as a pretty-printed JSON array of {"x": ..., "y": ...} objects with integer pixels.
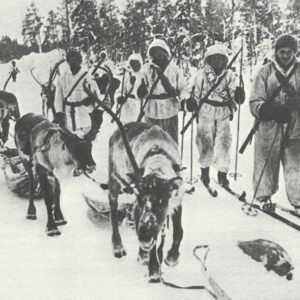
[
  {"x": 48, "y": 197},
  {"x": 31, "y": 211},
  {"x": 173, "y": 254},
  {"x": 143, "y": 256},
  {"x": 5, "y": 128},
  {"x": 58, "y": 216},
  {"x": 154, "y": 267},
  {"x": 114, "y": 189}
]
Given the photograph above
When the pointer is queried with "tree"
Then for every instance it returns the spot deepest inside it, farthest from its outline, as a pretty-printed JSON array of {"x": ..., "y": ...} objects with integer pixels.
[
  {"x": 31, "y": 28},
  {"x": 51, "y": 37}
]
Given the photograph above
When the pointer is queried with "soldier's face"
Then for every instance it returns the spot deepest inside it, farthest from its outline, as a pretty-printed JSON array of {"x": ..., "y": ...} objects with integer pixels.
[
  {"x": 159, "y": 55},
  {"x": 135, "y": 65},
  {"x": 285, "y": 55},
  {"x": 74, "y": 63},
  {"x": 217, "y": 61}
]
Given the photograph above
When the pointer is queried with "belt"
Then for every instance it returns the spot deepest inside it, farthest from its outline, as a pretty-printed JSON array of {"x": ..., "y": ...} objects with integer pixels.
[
  {"x": 218, "y": 103},
  {"x": 160, "y": 97}
]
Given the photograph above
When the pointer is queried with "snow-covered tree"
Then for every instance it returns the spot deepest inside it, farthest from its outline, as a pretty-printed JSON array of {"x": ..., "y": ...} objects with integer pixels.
[
  {"x": 31, "y": 28},
  {"x": 51, "y": 36}
]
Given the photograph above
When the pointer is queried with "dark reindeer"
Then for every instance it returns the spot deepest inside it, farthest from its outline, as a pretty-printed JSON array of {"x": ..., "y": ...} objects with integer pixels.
[
  {"x": 146, "y": 160},
  {"x": 51, "y": 152},
  {"x": 9, "y": 109}
]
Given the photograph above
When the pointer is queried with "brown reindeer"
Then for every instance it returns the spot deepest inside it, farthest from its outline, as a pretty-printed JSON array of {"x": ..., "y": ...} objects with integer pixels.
[
  {"x": 9, "y": 109},
  {"x": 50, "y": 152},
  {"x": 152, "y": 169}
]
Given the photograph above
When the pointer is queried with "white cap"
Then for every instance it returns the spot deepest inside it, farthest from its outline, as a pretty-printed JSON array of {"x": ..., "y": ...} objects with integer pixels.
[
  {"x": 159, "y": 43},
  {"x": 136, "y": 56},
  {"x": 216, "y": 49}
]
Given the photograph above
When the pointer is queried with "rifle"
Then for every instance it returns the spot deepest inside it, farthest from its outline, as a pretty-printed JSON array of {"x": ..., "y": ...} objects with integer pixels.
[{"x": 205, "y": 98}]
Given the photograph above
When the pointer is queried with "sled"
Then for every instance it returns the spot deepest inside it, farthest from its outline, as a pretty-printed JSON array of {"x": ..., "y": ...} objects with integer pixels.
[{"x": 16, "y": 177}]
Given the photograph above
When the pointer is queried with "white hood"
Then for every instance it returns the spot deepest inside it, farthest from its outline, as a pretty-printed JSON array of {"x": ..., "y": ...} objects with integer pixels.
[
  {"x": 216, "y": 49},
  {"x": 136, "y": 56},
  {"x": 159, "y": 43}
]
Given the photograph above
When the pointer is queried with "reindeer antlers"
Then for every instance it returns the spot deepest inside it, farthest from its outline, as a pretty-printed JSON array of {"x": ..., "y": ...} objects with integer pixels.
[
  {"x": 35, "y": 79},
  {"x": 121, "y": 128}
]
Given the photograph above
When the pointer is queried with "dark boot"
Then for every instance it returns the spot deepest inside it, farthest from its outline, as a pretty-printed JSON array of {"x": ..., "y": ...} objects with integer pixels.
[
  {"x": 222, "y": 179},
  {"x": 205, "y": 176}
]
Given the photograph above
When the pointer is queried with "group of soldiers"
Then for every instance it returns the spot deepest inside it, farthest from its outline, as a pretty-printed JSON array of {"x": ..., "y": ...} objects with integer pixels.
[{"x": 161, "y": 83}]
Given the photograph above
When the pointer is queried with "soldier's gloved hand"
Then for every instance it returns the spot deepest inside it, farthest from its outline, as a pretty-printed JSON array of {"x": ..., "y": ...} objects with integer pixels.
[
  {"x": 121, "y": 100},
  {"x": 191, "y": 104},
  {"x": 59, "y": 119},
  {"x": 278, "y": 112},
  {"x": 239, "y": 95},
  {"x": 142, "y": 90}
]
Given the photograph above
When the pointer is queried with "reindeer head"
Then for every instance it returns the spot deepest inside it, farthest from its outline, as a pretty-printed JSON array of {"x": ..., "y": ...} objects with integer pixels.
[
  {"x": 154, "y": 201},
  {"x": 80, "y": 149}
]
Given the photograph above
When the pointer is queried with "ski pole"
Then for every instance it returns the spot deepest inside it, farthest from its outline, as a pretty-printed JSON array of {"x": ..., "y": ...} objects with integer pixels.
[
  {"x": 239, "y": 118},
  {"x": 182, "y": 137}
]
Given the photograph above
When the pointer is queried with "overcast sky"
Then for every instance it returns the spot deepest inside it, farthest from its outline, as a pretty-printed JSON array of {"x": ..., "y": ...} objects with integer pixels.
[{"x": 13, "y": 12}]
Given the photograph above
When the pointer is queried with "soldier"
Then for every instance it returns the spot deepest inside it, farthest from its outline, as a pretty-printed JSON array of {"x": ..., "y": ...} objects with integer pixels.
[
  {"x": 213, "y": 130},
  {"x": 73, "y": 106},
  {"x": 126, "y": 95},
  {"x": 14, "y": 71},
  {"x": 278, "y": 136},
  {"x": 165, "y": 100}
]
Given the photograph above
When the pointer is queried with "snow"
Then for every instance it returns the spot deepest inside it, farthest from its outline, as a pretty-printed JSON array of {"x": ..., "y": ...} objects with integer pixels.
[{"x": 79, "y": 264}]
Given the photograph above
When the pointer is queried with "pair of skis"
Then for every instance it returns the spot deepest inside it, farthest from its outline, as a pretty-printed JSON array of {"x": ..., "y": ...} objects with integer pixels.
[{"x": 251, "y": 209}]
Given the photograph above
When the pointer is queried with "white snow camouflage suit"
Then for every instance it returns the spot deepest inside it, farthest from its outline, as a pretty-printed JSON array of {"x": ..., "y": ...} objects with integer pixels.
[
  {"x": 213, "y": 130},
  {"x": 82, "y": 113},
  {"x": 288, "y": 153},
  {"x": 131, "y": 108},
  {"x": 162, "y": 109}
]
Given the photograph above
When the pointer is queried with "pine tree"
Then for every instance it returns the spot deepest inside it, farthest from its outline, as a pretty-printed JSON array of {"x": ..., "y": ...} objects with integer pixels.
[
  {"x": 31, "y": 28},
  {"x": 51, "y": 32}
]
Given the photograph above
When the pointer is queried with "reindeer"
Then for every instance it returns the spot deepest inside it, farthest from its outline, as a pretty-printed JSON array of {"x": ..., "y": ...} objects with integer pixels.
[
  {"x": 53, "y": 152},
  {"x": 9, "y": 109},
  {"x": 150, "y": 165},
  {"x": 146, "y": 160}
]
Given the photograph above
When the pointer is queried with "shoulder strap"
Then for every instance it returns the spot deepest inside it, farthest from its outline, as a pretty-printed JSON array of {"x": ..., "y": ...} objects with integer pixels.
[
  {"x": 75, "y": 84},
  {"x": 283, "y": 83}
]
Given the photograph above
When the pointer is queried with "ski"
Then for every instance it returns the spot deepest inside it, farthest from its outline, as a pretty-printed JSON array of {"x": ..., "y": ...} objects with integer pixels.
[
  {"x": 275, "y": 216},
  {"x": 288, "y": 210},
  {"x": 240, "y": 197},
  {"x": 213, "y": 192}
]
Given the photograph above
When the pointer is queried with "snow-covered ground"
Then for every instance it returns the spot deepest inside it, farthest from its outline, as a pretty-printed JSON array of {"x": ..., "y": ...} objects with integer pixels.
[{"x": 79, "y": 264}]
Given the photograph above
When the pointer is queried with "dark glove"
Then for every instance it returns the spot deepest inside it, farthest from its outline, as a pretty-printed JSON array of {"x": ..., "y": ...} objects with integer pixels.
[
  {"x": 121, "y": 100},
  {"x": 278, "y": 112},
  {"x": 59, "y": 119},
  {"x": 191, "y": 104},
  {"x": 182, "y": 105},
  {"x": 239, "y": 95},
  {"x": 142, "y": 90}
]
